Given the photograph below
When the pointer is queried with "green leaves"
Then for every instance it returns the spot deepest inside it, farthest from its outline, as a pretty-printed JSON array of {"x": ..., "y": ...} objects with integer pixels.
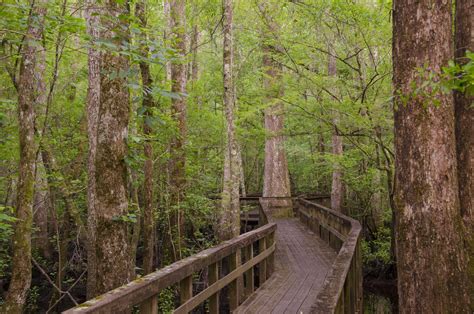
[{"x": 460, "y": 76}]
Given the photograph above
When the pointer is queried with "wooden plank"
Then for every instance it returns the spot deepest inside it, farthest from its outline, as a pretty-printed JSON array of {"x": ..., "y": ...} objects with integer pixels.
[
  {"x": 221, "y": 283},
  {"x": 214, "y": 299}
]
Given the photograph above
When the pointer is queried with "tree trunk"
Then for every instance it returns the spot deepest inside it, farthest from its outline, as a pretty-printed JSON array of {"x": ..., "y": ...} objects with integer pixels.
[
  {"x": 276, "y": 180},
  {"x": 147, "y": 103},
  {"x": 93, "y": 103},
  {"x": 229, "y": 225},
  {"x": 42, "y": 203},
  {"x": 41, "y": 208},
  {"x": 111, "y": 203},
  {"x": 337, "y": 187},
  {"x": 430, "y": 252},
  {"x": 27, "y": 100},
  {"x": 178, "y": 109},
  {"x": 464, "y": 115}
]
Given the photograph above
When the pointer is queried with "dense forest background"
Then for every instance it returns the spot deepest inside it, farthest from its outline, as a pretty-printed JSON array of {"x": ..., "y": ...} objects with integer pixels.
[{"x": 334, "y": 90}]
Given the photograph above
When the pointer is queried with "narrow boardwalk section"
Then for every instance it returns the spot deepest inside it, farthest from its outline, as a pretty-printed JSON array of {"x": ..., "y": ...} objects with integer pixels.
[{"x": 302, "y": 261}]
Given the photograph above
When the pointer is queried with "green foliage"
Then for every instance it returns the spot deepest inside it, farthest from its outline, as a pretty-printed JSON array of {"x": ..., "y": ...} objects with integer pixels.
[
  {"x": 377, "y": 251},
  {"x": 460, "y": 77},
  {"x": 6, "y": 231}
]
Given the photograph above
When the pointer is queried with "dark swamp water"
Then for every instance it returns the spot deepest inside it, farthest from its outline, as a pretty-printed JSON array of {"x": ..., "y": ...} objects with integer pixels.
[{"x": 380, "y": 297}]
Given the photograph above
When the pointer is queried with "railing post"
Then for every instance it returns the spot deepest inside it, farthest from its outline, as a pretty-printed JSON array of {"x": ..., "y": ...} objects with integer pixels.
[
  {"x": 213, "y": 277},
  {"x": 249, "y": 282},
  {"x": 186, "y": 289},
  {"x": 271, "y": 257},
  {"x": 234, "y": 260},
  {"x": 262, "y": 272},
  {"x": 150, "y": 306}
]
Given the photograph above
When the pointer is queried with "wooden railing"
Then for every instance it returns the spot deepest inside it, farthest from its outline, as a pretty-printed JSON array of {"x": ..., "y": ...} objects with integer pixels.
[
  {"x": 246, "y": 258},
  {"x": 342, "y": 288}
]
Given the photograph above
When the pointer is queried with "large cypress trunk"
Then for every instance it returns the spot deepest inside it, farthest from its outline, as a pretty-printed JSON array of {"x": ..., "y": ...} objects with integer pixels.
[
  {"x": 178, "y": 110},
  {"x": 464, "y": 113},
  {"x": 430, "y": 252},
  {"x": 230, "y": 215},
  {"x": 28, "y": 98},
  {"x": 92, "y": 113},
  {"x": 276, "y": 181},
  {"x": 114, "y": 265}
]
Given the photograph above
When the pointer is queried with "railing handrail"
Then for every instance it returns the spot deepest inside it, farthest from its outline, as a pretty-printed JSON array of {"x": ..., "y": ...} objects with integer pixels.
[
  {"x": 146, "y": 287},
  {"x": 329, "y": 298}
]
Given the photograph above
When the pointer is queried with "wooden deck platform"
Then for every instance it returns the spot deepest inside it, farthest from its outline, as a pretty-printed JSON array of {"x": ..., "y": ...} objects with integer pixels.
[{"x": 302, "y": 261}]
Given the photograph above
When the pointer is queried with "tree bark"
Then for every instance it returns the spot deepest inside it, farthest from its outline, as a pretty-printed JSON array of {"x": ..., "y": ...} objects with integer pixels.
[
  {"x": 430, "y": 252},
  {"x": 28, "y": 97},
  {"x": 229, "y": 225},
  {"x": 276, "y": 180},
  {"x": 464, "y": 120},
  {"x": 178, "y": 110},
  {"x": 92, "y": 112},
  {"x": 337, "y": 187},
  {"x": 148, "y": 104},
  {"x": 111, "y": 204}
]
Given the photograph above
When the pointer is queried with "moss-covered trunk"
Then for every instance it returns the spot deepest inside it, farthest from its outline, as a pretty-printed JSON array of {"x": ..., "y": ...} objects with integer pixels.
[
  {"x": 114, "y": 265},
  {"x": 28, "y": 99},
  {"x": 229, "y": 224},
  {"x": 177, "y": 166},
  {"x": 92, "y": 113},
  {"x": 430, "y": 251},
  {"x": 148, "y": 104}
]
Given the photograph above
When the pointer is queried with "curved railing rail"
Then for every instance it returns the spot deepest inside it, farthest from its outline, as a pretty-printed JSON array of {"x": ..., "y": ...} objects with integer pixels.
[
  {"x": 342, "y": 288},
  {"x": 245, "y": 254}
]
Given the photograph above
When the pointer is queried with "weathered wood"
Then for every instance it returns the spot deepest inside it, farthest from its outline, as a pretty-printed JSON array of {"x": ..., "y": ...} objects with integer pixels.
[
  {"x": 150, "y": 306},
  {"x": 342, "y": 290},
  {"x": 214, "y": 298},
  {"x": 143, "y": 288},
  {"x": 186, "y": 289},
  {"x": 233, "y": 286},
  {"x": 262, "y": 274},
  {"x": 249, "y": 275},
  {"x": 230, "y": 279}
]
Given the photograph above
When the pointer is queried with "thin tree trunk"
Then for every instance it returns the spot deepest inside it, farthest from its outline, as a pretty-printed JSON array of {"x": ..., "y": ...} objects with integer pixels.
[
  {"x": 276, "y": 180},
  {"x": 167, "y": 33},
  {"x": 464, "y": 120},
  {"x": 430, "y": 252},
  {"x": 41, "y": 209},
  {"x": 178, "y": 110},
  {"x": 92, "y": 112},
  {"x": 229, "y": 225},
  {"x": 337, "y": 187},
  {"x": 111, "y": 203},
  {"x": 41, "y": 197},
  {"x": 147, "y": 103},
  {"x": 27, "y": 101}
]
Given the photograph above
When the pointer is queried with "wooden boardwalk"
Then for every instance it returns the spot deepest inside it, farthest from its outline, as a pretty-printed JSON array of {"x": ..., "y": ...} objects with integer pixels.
[{"x": 302, "y": 261}]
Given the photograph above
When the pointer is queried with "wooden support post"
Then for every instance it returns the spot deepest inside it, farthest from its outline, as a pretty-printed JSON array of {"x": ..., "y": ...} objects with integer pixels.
[
  {"x": 249, "y": 281},
  {"x": 271, "y": 258},
  {"x": 262, "y": 273},
  {"x": 150, "y": 306},
  {"x": 234, "y": 261},
  {"x": 186, "y": 289},
  {"x": 213, "y": 273}
]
